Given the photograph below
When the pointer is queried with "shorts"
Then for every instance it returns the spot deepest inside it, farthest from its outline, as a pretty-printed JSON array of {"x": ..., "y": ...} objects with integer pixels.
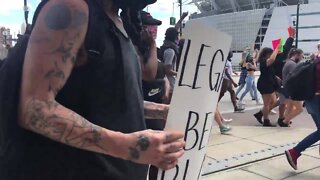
[{"x": 265, "y": 87}]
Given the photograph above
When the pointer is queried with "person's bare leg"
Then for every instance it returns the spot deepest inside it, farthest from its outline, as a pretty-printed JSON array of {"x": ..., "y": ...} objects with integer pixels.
[
  {"x": 217, "y": 118},
  {"x": 266, "y": 105},
  {"x": 296, "y": 108}
]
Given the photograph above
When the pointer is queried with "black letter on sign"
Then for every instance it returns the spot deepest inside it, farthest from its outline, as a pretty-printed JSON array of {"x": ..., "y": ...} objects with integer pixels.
[
  {"x": 211, "y": 70},
  {"x": 204, "y": 130},
  {"x": 186, "y": 169},
  {"x": 192, "y": 129},
  {"x": 197, "y": 67},
  {"x": 184, "y": 64},
  {"x": 175, "y": 176}
]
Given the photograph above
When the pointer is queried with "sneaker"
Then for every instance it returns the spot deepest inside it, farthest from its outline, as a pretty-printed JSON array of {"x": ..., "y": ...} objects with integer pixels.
[
  {"x": 224, "y": 129},
  {"x": 227, "y": 121},
  {"x": 267, "y": 123},
  {"x": 283, "y": 124},
  {"x": 239, "y": 110},
  {"x": 258, "y": 117},
  {"x": 241, "y": 103},
  {"x": 273, "y": 112},
  {"x": 292, "y": 157},
  {"x": 253, "y": 99}
]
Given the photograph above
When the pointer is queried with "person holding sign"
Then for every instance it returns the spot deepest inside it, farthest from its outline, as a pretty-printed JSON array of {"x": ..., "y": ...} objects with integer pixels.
[
  {"x": 267, "y": 83},
  {"x": 81, "y": 113}
]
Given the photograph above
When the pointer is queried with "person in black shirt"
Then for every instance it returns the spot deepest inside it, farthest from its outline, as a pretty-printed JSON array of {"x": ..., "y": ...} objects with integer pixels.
[
  {"x": 267, "y": 83},
  {"x": 81, "y": 111}
]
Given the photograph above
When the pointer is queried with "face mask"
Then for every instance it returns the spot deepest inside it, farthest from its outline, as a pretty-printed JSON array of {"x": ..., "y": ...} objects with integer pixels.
[{"x": 133, "y": 4}]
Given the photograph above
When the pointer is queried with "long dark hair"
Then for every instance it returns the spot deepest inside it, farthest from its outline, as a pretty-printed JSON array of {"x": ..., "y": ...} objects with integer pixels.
[
  {"x": 264, "y": 54},
  {"x": 140, "y": 37}
]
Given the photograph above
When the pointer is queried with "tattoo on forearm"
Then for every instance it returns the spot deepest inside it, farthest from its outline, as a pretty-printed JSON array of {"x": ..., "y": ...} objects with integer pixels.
[
  {"x": 143, "y": 144},
  {"x": 152, "y": 111},
  {"x": 45, "y": 117}
]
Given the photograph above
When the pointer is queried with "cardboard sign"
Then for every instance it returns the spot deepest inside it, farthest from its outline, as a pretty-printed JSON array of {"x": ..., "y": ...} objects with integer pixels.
[{"x": 196, "y": 95}]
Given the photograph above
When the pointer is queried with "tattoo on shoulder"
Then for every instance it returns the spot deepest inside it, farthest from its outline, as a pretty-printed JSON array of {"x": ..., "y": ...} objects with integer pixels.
[
  {"x": 143, "y": 144},
  {"x": 59, "y": 17}
]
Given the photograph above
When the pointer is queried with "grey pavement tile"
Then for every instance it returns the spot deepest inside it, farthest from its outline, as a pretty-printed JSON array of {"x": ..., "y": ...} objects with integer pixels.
[
  {"x": 278, "y": 168},
  {"x": 235, "y": 148},
  {"x": 282, "y": 137},
  {"x": 216, "y": 139},
  {"x": 233, "y": 175},
  {"x": 314, "y": 152},
  {"x": 309, "y": 175},
  {"x": 249, "y": 132}
]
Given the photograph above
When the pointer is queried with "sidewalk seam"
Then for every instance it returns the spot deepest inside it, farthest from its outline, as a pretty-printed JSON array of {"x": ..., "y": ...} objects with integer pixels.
[
  {"x": 302, "y": 172},
  {"x": 255, "y": 173}
]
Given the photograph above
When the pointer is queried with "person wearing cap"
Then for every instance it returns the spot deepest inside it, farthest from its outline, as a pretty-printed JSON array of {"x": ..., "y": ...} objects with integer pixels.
[{"x": 169, "y": 53}]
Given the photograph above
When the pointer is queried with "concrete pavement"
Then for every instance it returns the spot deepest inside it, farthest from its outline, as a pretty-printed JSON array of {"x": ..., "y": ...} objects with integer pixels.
[{"x": 251, "y": 151}]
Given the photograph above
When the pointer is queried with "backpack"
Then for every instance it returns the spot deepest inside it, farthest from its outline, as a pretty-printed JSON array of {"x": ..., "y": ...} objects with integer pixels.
[
  {"x": 300, "y": 84},
  {"x": 11, "y": 71}
]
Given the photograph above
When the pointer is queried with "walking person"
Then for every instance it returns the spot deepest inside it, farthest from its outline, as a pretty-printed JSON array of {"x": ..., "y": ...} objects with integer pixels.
[
  {"x": 267, "y": 83},
  {"x": 280, "y": 61},
  {"x": 313, "y": 108},
  {"x": 293, "y": 108},
  {"x": 251, "y": 67},
  {"x": 228, "y": 84},
  {"x": 243, "y": 75}
]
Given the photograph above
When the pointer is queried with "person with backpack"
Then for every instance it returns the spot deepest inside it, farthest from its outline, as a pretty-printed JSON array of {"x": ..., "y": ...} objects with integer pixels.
[
  {"x": 293, "y": 108},
  {"x": 78, "y": 113},
  {"x": 169, "y": 52},
  {"x": 313, "y": 107}
]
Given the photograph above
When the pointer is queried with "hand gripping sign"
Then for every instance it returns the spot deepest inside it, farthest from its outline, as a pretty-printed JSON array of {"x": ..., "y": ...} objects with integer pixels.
[{"x": 196, "y": 95}]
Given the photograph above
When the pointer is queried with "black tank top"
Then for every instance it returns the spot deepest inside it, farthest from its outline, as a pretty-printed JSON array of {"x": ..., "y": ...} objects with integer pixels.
[{"x": 106, "y": 91}]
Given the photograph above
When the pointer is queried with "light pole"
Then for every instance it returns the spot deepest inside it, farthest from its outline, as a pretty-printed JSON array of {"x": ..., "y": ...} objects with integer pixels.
[
  {"x": 297, "y": 23},
  {"x": 26, "y": 11},
  {"x": 180, "y": 3}
]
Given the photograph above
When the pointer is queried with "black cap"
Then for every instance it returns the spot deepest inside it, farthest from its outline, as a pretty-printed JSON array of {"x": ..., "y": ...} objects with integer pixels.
[{"x": 148, "y": 20}]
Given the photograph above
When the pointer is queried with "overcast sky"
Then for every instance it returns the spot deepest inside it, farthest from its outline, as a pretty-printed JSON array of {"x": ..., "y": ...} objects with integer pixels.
[{"x": 12, "y": 15}]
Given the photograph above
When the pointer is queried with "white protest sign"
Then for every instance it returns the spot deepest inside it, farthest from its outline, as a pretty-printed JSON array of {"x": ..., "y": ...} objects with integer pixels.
[{"x": 196, "y": 95}]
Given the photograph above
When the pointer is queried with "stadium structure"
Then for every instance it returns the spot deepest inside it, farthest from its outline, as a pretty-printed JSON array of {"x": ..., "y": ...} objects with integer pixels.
[{"x": 259, "y": 22}]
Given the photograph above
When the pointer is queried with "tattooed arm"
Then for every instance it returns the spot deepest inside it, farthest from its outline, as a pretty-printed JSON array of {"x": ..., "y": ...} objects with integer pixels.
[
  {"x": 51, "y": 54},
  {"x": 58, "y": 35},
  {"x": 155, "y": 111}
]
